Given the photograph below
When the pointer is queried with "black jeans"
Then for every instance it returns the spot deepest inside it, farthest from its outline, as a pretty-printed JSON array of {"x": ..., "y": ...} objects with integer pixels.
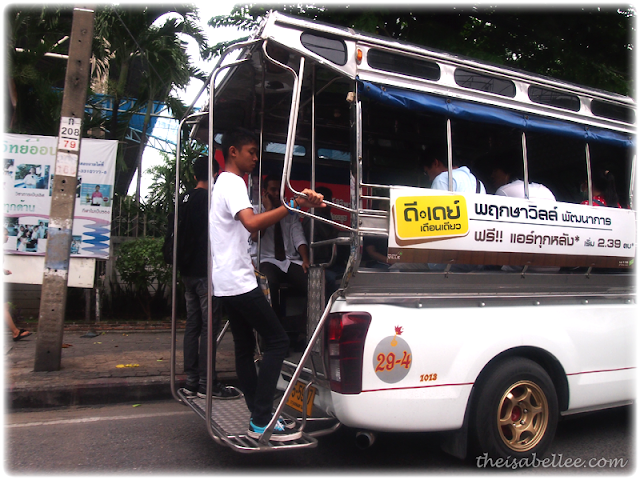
[
  {"x": 247, "y": 312},
  {"x": 297, "y": 280},
  {"x": 195, "y": 333}
]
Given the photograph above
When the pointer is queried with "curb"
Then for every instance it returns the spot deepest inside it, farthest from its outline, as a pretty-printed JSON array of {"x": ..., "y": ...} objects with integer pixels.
[
  {"x": 110, "y": 327},
  {"x": 96, "y": 392},
  {"x": 81, "y": 383},
  {"x": 90, "y": 393}
]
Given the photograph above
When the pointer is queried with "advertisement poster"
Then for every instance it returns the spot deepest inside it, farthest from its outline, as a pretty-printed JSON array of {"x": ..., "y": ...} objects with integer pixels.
[
  {"x": 438, "y": 226},
  {"x": 29, "y": 167}
]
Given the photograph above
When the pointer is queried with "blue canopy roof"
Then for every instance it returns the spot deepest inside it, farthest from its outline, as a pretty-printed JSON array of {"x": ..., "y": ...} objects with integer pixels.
[{"x": 453, "y": 108}]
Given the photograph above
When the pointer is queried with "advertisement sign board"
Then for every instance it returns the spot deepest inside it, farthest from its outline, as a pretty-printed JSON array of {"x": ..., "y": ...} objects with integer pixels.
[
  {"x": 29, "y": 169},
  {"x": 448, "y": 227}
]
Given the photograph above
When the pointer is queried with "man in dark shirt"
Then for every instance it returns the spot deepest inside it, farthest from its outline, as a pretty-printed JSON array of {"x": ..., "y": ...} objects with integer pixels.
[{"x": 192, "y": 265}]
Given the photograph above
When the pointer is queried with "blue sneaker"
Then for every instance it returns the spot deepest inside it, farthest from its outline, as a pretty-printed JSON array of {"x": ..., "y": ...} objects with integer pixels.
[{"x": 281, "y": 433}]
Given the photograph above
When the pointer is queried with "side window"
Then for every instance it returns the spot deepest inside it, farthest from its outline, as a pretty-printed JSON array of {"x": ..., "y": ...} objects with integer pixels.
[
  {"x": 332, "y": 49},
  {"x": 414, "y": 67},
  {"x": 546, "y": 96},
  {"x": 614, "y": 112},
  {"x": 485, "y": 83}
]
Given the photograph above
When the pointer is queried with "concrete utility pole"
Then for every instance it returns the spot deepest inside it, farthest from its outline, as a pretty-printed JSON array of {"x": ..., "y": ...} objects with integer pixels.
[{"x": 63, "y": 198}]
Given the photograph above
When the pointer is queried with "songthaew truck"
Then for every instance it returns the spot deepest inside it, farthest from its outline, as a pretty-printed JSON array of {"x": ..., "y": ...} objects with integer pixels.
[{"x": 489, "y": 317}]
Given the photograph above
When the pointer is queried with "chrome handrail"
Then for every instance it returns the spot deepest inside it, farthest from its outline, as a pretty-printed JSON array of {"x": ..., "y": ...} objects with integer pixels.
[
  {"x": 291, "y": 133},
  {"x": 188, "y": 116},
  {"x": 209, "y": 404},
  {"x": 266, "y": 435},
  {"x": 174, "y": 270}
]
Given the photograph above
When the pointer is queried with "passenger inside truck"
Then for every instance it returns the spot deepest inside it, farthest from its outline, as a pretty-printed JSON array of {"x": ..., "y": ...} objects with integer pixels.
[
  {"x": 374, "y": 252},
  {"x": 507, "y": 178},
  {"x": 603, "y": 188}
]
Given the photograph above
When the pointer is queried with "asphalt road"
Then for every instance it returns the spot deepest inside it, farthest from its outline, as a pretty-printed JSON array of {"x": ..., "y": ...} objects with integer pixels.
[{"x": 169, "y": 439}]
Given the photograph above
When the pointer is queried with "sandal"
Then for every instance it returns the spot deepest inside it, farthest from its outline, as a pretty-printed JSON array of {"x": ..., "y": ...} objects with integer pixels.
[{"x": 22, "y": 334}]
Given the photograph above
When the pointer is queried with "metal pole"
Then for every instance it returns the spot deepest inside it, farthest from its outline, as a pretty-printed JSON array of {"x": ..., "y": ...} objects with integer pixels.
[
  {"x": 525, "y": 165},
  {"x": 632, "y": 183},
  {"x": 312, "y": 229},
  {"x": 449, "y": 155},
  {"x": 87, "y": 305},
  {"x": 262, "y": 109},
  {"x": 101, "y": 267},
  {"x": 63, "y": 197},
  {"x": 174, "y": 268},
  {"x": 91, "y": 330},
  {"x": 587, "y": 155}
]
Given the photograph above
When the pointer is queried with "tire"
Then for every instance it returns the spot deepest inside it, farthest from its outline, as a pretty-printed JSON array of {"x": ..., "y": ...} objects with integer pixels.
[{"x": 515, "y": 411}]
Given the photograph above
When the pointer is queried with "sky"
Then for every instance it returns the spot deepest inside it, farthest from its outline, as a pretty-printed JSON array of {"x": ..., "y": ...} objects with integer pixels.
[
  {"x": 214, "y": 35},
  {"x": 206, "y": 11}
]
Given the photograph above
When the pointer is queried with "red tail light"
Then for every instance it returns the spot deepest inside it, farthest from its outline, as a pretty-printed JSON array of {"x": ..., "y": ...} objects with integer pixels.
[{"x": 344, "y": 349}]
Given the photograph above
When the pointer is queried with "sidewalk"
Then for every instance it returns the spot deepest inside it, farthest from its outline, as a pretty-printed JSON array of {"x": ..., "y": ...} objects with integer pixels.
[{"x": 115, "y": 366}]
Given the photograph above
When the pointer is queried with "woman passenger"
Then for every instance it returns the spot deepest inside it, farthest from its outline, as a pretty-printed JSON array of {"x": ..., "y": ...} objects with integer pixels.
[{"x": 603, "y": 188}]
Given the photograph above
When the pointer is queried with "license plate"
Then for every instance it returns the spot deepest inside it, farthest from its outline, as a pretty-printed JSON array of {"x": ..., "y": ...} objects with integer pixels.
[{"x": 295, "y": 399}]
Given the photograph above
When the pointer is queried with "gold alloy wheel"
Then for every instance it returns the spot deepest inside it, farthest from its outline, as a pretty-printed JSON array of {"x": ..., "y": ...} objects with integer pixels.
[{"x": 523, "y": 415}]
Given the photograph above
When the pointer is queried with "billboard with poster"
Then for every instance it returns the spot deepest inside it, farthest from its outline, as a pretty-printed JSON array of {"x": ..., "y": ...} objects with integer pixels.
[{"x": 29, "y": 166}]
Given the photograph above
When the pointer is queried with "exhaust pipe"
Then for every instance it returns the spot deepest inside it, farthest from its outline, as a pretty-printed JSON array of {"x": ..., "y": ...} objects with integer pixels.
[{"x": 365, "y": 439}]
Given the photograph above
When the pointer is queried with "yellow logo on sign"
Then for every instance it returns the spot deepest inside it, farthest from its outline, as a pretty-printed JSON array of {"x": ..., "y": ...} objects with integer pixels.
[{"x": 431, "y": 216}]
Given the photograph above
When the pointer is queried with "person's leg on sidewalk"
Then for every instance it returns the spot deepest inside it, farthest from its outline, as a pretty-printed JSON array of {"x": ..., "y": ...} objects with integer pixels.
[
  {"x": 17, "y": 333},
  {"x": 256, "y": 313},
  {"x": 202, "y": 290},
  {"x": 218, "y": 390}
]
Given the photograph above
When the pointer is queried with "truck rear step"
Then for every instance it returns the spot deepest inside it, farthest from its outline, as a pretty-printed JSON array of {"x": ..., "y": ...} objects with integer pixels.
[{"x": 230, "y": 420}]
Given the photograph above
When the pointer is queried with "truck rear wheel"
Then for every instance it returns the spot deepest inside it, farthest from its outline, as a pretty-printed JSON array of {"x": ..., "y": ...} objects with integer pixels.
[{"x": 516, "y": 411}]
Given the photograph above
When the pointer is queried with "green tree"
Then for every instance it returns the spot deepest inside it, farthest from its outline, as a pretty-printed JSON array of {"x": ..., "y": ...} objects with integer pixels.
[
  {"x": 161, "y": 198},
  {"x": 36, "y": 45},
  {"x": 141, "y": 266},
  {"x": 145, "y": 38},
  {"x": 138, "y": 50},
  {"x": 587, "y": 45}
]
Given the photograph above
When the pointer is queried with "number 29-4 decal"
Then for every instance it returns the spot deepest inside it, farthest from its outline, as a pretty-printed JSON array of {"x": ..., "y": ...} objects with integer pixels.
[
  {"x": 392, "y": 358},
  {"x": 389, "y": 361}
]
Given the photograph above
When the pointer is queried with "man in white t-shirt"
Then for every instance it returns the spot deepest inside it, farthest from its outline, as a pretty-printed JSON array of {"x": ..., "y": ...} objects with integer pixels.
[
  {"x": 508, "y": 184},
  {"x": 504, "y": 176},
  {"x": 463, "y": 180},
  {"x": 232, "y": 220}
]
